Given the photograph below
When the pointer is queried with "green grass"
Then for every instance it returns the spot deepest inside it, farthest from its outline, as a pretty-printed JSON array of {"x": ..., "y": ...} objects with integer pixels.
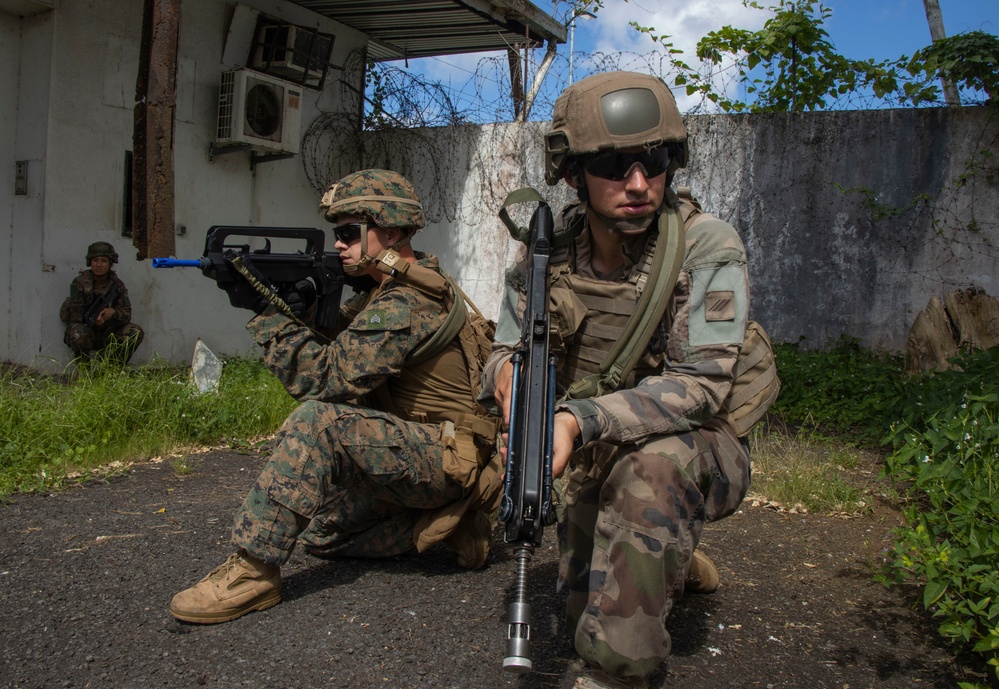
[
  {"x": 55, "y": 428},
  {"x": 846, "y": 392},
  {"x": 804, "y": 471}
]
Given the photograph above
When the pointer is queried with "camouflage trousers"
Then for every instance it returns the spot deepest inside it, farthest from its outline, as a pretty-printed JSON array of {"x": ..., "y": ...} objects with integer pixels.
[
  {"x": 346, "y": 481},
  {"x": 634, "y": 518},
  {"x": 120, "y": 342}
]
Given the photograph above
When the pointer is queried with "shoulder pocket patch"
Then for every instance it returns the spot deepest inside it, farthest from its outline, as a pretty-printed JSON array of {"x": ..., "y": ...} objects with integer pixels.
[
  {"x": 380, "y": 319},
  {"x": 720, "y": 306}
]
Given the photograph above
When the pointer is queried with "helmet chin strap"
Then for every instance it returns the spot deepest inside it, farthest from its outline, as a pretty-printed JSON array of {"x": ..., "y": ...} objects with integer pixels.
[
  {"x": 626, "y": 226},
  {"x": 359, "y": 268},
  {"x": 366, "y": 259}
]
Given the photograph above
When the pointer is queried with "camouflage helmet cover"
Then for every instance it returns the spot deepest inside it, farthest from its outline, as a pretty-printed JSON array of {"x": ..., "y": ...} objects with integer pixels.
[
  {"x": 612, "y": 111},
  {"x": 385, "y": 198},
  {"x": 101, "y": 249}
]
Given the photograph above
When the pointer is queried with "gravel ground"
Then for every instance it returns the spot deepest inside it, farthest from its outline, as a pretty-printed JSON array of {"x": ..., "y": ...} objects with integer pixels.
[{"x": 87, "y": 575}]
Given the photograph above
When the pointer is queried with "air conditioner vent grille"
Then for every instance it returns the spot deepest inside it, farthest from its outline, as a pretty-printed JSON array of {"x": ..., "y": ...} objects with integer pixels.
[
  {"x": 225, "y": 106},
  {"x": 260, "y": 110}
]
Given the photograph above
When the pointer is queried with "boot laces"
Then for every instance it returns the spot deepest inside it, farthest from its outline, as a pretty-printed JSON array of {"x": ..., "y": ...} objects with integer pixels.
[{"x": 223, "y": 570}]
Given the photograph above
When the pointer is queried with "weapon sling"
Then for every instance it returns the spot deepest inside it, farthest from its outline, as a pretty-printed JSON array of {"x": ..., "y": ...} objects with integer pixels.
[{"x": 649, "y": 311}]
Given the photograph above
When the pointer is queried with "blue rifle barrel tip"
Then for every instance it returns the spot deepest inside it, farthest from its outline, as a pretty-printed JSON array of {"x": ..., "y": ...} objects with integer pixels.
[{"x": 177, "y": 263}]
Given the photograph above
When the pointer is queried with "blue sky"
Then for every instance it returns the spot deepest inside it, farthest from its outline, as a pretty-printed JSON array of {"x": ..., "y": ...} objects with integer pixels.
[{"x": 860, "y": 29}]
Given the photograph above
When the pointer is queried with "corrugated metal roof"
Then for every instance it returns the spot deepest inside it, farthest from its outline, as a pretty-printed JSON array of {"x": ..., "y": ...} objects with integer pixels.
[{"x": 422, "y": 28}]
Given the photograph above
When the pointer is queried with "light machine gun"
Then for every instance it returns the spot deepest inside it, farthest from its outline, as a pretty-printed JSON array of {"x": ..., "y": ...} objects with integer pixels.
[
  {"x": 526, "y": 507},
  {"x": 247, "y": 275}
]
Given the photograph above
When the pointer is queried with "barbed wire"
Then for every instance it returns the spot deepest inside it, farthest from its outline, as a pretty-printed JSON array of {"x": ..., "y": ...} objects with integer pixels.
[{"x": 420, "y": 130}]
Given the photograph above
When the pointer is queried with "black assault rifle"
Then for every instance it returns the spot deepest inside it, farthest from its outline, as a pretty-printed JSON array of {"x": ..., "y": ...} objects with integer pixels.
[
  {"x": 526, "y": 507},
  {"x": 233, "y": 265},
  {"x": 99, "y": 303}
]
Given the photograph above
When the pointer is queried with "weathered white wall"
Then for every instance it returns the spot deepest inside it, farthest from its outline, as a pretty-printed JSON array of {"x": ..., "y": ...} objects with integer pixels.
[
  {"x": 71, "y": 118},
  {"x": 823, "y": 263},
  {"x": 10, "y": 53},
  {"x": 852, "y": 220},
  {"x": 31, "y": 42}
]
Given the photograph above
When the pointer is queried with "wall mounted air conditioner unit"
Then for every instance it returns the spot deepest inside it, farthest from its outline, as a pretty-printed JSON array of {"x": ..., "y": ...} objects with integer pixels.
[
  {"x": 289, "y": 51},
  {"x": 260, "y": 110}
]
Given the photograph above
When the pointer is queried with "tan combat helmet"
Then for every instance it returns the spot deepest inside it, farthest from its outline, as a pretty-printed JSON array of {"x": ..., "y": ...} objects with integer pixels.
[
  {"x": 102, "y": 249},
  {"x": 613, "y": 111},
  {"x": 384, "y": 198}
]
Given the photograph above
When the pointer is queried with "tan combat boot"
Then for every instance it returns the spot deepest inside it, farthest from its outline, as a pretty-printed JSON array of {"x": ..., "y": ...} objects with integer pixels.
[
  {"x": 470, "y": 540},
  {"x": 239, "y": 585},
  {"x": 703, "y": 576}
]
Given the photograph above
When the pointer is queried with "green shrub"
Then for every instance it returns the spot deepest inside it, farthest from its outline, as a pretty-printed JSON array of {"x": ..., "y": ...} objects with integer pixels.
[
  {"x": 946, "y": 456},
  {"x": 843, "y": 389}
]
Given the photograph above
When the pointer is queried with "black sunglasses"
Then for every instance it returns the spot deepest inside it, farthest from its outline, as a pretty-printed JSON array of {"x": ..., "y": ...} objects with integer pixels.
[
  {"x": 350, "y": 232},
  {"x": 615, "y": 165}
]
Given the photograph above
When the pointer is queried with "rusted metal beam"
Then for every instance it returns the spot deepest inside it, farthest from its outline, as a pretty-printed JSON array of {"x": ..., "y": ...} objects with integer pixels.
[{"x": 153, "y": 132}]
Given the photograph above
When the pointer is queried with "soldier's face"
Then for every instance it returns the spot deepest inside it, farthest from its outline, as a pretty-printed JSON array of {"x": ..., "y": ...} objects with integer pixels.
[
  {"x": 632, "y": 198},
  {"x": 100, "y": 265},
  {"x": 378, "y": 240}
]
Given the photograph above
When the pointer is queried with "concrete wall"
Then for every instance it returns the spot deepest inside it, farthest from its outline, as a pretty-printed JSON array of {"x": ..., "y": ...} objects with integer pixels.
[
  {"x": 825, "y": 260},
  {"x": 73, "y": 81},
  {"x": 852, "y": 220}
]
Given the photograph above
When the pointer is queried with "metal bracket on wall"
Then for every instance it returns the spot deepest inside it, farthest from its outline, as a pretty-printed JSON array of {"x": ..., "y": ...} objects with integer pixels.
[
  {"x": 20, "y": 178},
  {"x": 255, "y": 158},
  {"x": 267, "y": 158},
  {"x": 214, "y": 150}
]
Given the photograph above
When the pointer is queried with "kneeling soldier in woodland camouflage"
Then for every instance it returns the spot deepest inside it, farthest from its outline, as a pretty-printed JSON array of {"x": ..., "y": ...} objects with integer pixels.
[
  {"x": 657, "y": 450},
  {"x": 389, "y": 452},
  {"x": 98, "y": 312}
]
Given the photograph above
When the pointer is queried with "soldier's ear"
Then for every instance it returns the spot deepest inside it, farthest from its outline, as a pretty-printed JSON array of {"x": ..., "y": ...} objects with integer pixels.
[{"x": 393, "y": 235}]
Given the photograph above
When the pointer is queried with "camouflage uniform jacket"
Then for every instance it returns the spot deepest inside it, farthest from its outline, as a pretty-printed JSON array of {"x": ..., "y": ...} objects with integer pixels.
[
  {"x": 81, "y": 294},
  {"x": 366, "y": 362},
  {"x": 705, "y": 322}
]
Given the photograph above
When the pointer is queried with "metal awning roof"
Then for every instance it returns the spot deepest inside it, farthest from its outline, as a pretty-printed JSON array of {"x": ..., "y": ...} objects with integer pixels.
[{"x": 401, "y": 29}]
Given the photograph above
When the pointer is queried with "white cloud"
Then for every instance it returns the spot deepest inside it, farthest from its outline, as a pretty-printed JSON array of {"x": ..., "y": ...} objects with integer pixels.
[{"x": 684, "y": 22}]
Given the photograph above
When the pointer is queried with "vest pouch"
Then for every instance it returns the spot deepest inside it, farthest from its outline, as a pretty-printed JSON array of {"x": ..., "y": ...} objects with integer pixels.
[
  {"x": 567, "y": 313},
  {"x": 756, "y": 383},
  {"x": 479, "y": 472}
]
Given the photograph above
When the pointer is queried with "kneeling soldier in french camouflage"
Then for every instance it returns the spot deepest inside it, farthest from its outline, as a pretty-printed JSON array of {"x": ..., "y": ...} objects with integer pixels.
[{"x": 653, "y": 453}]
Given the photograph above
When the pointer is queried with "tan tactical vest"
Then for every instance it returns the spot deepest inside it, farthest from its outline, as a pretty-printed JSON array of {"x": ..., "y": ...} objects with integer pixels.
[
  {"x": 591, "y": 315},
  {"x": 588, "y": 326},
  {"x": 441, "y": 385}
]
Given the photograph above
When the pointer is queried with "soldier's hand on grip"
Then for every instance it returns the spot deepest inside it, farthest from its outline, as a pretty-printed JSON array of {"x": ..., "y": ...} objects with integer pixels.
[
  {"x": 299, "y": 297},
  {"x": 243, "y": 296}
]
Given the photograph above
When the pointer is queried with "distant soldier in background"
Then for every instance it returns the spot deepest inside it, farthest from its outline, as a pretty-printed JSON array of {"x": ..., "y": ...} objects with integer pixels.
[{"x": 97, "y": 312}]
